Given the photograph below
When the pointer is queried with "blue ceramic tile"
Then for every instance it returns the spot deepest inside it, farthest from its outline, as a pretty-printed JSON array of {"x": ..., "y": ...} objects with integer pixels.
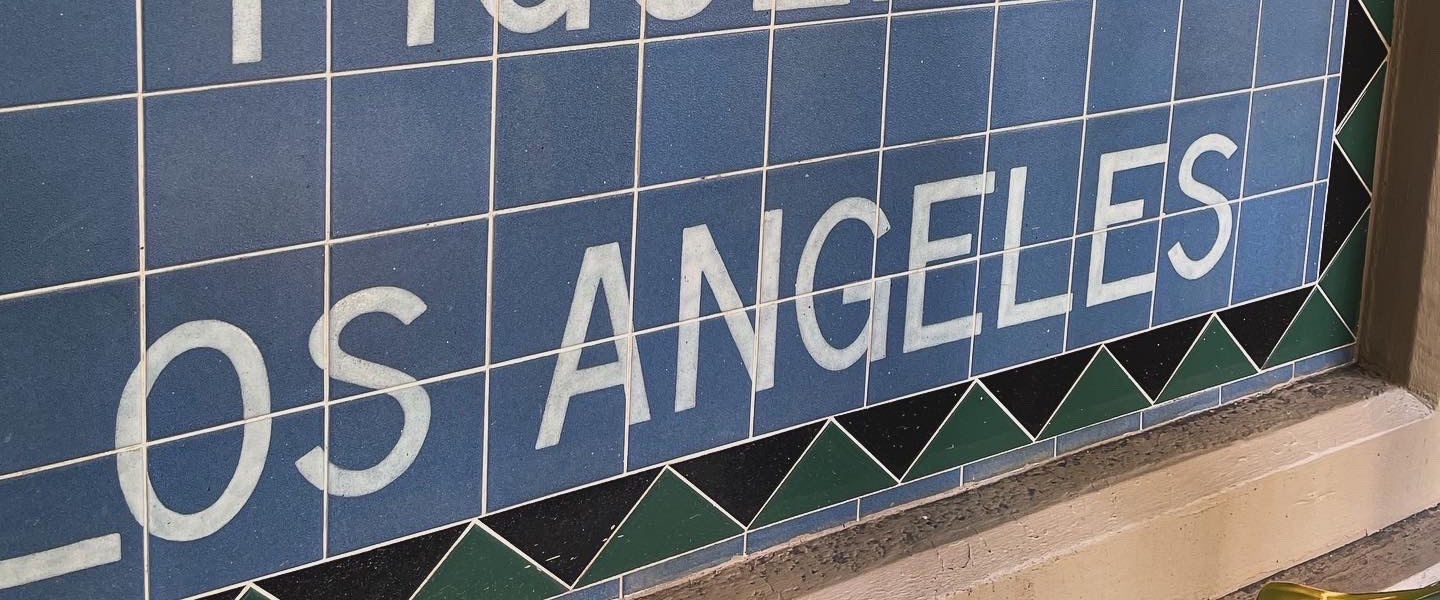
[
  {"x": 539, "y": 256},
  {"x": 1327, "y": 128},
  {"x": 685, "y": 564},
  {"x": 1218, "y": 161},
  {"x": 913, "y": 491},
  {"x": 1097, "y": 433},
  {"x": 76, "y": 504},
  {"x": 1270, "y": 244},
  {"x": 234, "y": 170},
  {"x": 1197, "y": 257},
  {"x": 926, "y": 341},
  {"x": 901, "y": 5},
  {"x": 275, "y": 300},
  {"x": 820, "y": 348},
  {"x": 939, "y": 76},
  {"x": 795, "y": 11},
  {"x": 1114, "y": 279},
  {"x": 1040, "y": 52},
  {"x": 375, "y": 33},
  {"x": 702, "y": 405},
  {"x": 676, "y": 17},
  {"x": 680, "y": 230},
  {"x": 704, "y": 106},
  {"x": 531, "y": 26},
  {"x": 70, "y": 194},
  {"x": 276, "y": 527},
  {"x": 565, "y": 125},
  {"x": 1256, "y": 383},
  {"x": 1217, "y": 46},
  {"x": 1294, "y": 37},
  {"x": 582, "y": 442},
  {"x": 942, "y": 183},
  {"x": 826, "y": 89},
  {"x": 784, "y": 531},
  {"x": 1325, "y": 361},
  {"x": 1338, "y": 15},
  {"x": 1135, "y": 145},
  {"x": 1010, "y": 461},
  {"x": 1133, "y": 60},
  {"x": 410, "y": 147},
  {"x": 417, "y": 301},
  {"x": 1049, "y": 160},
  {"x": 802, "y": 195},
  {"x": 61, "y": 49},
  {"x": 195, "y": 43},
  {"x": 1031, "y": 324},
  {"x": 1284, "y": 127},
  {"x": 441, "y": 485},
  {"x": 1317, "y": 232},
  {"x": 1180, "y": 407},
  {"x": 47, "y": 412}
]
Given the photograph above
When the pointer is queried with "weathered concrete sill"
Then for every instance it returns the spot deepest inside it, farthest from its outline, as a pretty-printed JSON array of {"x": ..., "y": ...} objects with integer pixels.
[{"x": 1193, "y": 509}]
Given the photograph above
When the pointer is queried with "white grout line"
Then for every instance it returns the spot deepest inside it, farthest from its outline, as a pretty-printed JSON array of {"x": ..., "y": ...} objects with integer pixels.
[
  {"x": 760, "y": 269},
  {"x": 1191, "y": 348},
  {"x": 984, "y": 168},
  {"x": 1080, "y": 184},
  {"x": 490, "y": 268},
  {"x": 618, "y": 526},
  {"x": 1245, "y": 155},
  {"x": 1095, "y": 355},
  {"x": 791, "y": 471},
  {"x": 142, "y": 299},
  {"x": 866, "y": 450},
  {"x": 1169, "y": 145},
  {"x": 443, "y": 557},
  {"x": 879, "y": 178},
  {"x": 325, "y": 285},
  {"x": 630, "y": 345}
]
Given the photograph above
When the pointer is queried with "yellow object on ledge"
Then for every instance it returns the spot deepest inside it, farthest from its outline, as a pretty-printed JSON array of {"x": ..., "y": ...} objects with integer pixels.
[{"x": 1293, "y": 591}]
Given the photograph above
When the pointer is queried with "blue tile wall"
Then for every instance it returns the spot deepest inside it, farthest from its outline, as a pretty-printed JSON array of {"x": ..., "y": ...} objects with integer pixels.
[{"x": 313, "y": 265}]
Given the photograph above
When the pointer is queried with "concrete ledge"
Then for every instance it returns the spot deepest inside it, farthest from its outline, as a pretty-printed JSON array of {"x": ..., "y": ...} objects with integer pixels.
[{"x": 1196, "y": 508}]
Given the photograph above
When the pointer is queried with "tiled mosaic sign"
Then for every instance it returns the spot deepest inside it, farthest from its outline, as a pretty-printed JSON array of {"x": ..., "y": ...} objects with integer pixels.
[{"x": 462, "y": 307}]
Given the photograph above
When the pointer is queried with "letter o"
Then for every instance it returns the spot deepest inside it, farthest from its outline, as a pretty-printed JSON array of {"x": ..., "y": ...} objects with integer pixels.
[{"x": 249, "y": 366}]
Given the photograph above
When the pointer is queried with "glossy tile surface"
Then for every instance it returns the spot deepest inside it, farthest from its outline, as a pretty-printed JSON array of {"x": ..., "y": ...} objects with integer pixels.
[{"x": 447, "y": 299}]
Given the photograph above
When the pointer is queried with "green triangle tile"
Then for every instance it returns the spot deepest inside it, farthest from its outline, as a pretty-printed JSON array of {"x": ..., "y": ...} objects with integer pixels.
[
  {"x": 1357, "y": 136},
  {"x": 832, "y": 470},
  {"x": 1341, "y": 281},
  {"x": 1214, "y": 359},
  {"x": 671, "y": 519},
  {"x": 976, "y": 429},
  {"x": 1316, "y": 329},
  {"x": 1383, "y": 12},
  {"x": 1103, "y": 392},
  {"x": 480, "y": 567}
]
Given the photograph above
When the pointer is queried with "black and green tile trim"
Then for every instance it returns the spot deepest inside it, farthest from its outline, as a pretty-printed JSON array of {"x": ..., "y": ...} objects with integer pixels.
[
  {"x": 600, "y": 533},
  {"x": 597, "y": 541}
]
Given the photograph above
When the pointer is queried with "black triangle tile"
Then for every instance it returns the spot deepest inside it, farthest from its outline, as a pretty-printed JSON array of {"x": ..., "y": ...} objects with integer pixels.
[
  {"x": 896, "y": 432},
  {"x": 564, "y": 533},
  {"x": 1152, "y": 357},
  {"x": 742, "y": 478},
  {"x": 1032, "y": 393},
  {"x": 1364, "y": 51},
  {"x": 1347, "y": 200},
  {"x": 1258, "y": 326},
  {"x": 385, "y": 573}
]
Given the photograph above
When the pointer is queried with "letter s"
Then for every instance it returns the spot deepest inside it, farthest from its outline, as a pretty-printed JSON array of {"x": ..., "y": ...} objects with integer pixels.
[
  {"x": 1187, "y": 267},
  {"x": 413, "y": 401}
]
